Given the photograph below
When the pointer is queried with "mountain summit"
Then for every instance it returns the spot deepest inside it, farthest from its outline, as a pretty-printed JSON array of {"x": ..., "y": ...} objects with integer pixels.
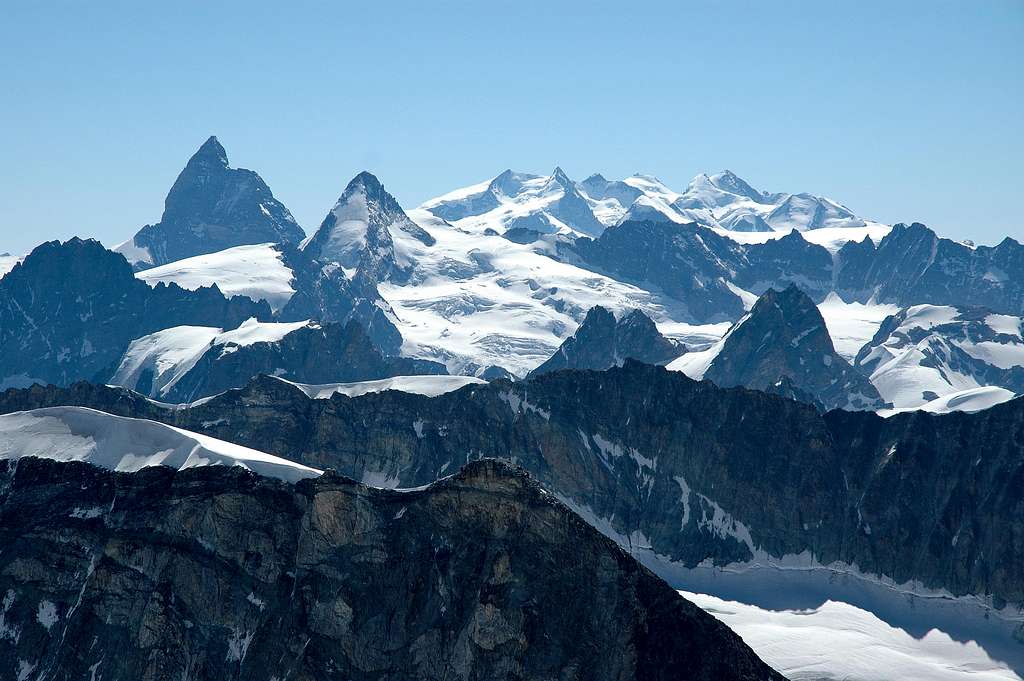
[
  {"x": 210, "y": 207},
  {"x": 361, "y": 230}
]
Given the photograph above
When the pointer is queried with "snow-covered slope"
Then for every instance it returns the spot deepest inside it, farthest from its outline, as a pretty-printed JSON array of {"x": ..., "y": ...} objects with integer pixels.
[
  {"x": 257, "y": 271},
  {"x": 475, "y": 299},
  {"x": 166, "y": 356},
  {"x": 926, "y": 352},
  {"x": 836, "y": 640},
  {"x": 126, "y": 444},
  {"x": 970, "y": 400},
  {"x": 367, "y": 230},
  {"x": 430, "y": 386}
]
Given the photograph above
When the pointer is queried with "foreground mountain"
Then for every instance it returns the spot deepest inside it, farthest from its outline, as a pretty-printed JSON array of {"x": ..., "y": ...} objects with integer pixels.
[
  {"x": 926, "y": 352},
  {"x": 602, "y": 342},
  {"x": 783, "y": 346},
  {"x": 185, "y": 363},
  {"x": 68, "y": 312},
  {"x": 210, "y": 207},
  {"x": 685, "y": 474},
  {"x": 213, "y": 573}
]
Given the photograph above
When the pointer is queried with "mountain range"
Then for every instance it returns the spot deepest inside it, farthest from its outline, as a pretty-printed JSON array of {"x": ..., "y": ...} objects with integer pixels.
[{"x": 736, "y": 387}]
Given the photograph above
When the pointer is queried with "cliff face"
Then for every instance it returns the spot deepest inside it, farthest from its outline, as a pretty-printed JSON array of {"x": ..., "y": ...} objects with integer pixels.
[
  {"x": 699, "y": 472},
  {"x": 214, "y": 573}
]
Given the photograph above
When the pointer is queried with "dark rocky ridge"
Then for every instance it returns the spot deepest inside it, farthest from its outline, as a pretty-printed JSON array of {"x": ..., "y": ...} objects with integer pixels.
[
  {"x": 602, "y": 342},
  {"x": 214, "y": 573},
  {"x": 910, "y": 265},
  {"x": 212, "y": 206},
  {"x": 691, "y": 466}
]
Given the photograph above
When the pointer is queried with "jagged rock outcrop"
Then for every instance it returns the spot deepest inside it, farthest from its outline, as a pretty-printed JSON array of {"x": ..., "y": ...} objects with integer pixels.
[
  {"x": 913, "y": 265},
  {"x": 214, "y": 573},
  {"x": 69, "y": 310},
  {"x": 701, "y": 473},
  {"x": 784, "y": 338},
  {"x": 602, "y": 341},
  {"x": 210, "y": 207}
]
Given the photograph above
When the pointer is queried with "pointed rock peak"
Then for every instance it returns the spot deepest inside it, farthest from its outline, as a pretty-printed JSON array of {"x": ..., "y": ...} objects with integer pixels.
[
  {"x": 730, "y": 182},
  {"x": 367, "y": 181},
  {"x": 559, "y": 176},
  {"x": 596, "y": 178},
  {"x": 598, "y": 315},
  {"x": 211, "y": 152}
]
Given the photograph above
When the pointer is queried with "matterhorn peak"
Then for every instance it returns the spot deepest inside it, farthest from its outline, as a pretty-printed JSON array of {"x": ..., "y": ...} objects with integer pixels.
[{"x": 211, "y": 151}]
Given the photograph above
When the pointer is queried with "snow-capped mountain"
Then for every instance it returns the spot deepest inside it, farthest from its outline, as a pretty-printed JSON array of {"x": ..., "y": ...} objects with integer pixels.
[
  {"x": 210, "y": 207},
  {"x": 927, "y": 352},
  {"x": 184, "y": 363},
  {"x": 367, "y": 231},
  {"x": 556, "y": 204},
  {"x": 602, "y": 341}
]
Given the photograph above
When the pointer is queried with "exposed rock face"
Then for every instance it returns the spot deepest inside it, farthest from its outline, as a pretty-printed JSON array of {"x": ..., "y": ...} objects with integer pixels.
[
  {"x": 213, "y": 573},
  {"x": 360, "y": 231},
  {"x": 700, "y": 472},
  {"x": 784, "y": 338},
  {"x": 210, "y": 207},
  {"x": 687, "y": 262},
  {"x": 324, "y": 292},
  {"x": 602, "y": 342},
  {"x": 779, "y": 263},
  {"x": 316, "y": 353},
  {"x": 912, "y": 265},
  {"x": 68, "y": 311}
]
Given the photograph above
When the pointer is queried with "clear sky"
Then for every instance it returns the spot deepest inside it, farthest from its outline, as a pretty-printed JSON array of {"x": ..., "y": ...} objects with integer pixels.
[{"x": 901, "y": 110}]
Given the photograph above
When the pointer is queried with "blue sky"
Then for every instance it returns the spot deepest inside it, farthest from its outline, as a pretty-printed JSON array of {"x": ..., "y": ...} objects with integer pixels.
[{"x": 902, "y": 111}]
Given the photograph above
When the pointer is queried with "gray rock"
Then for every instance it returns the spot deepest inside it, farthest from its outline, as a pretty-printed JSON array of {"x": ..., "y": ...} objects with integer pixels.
[{"x": 214, "y": 573}]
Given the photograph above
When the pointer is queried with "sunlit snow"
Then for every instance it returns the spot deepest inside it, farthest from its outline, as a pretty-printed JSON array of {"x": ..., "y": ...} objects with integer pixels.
[
  {"x": 256, "y": 271},
  {"x": 126, "y": 444},
  {"x": 839, "y": 641}
]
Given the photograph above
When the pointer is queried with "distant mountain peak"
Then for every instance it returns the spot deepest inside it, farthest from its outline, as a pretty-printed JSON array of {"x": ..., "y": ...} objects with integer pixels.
[
  {"x": 602, "y": 341},
  {"x": 209, "y": 208},
  {"x": 211, "y": 150},
  {"x": 784, "y": 341}
]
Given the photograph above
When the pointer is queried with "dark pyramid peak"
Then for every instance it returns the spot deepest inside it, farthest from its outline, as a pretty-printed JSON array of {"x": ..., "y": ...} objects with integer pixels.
[
  {"x": 367, "y": 181},
  {"x": 784, "y": 338},
  {"x": 596, "y": 178},
  {"x": 211, "y": 207},
  {"x": 211, "y": 152}
]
